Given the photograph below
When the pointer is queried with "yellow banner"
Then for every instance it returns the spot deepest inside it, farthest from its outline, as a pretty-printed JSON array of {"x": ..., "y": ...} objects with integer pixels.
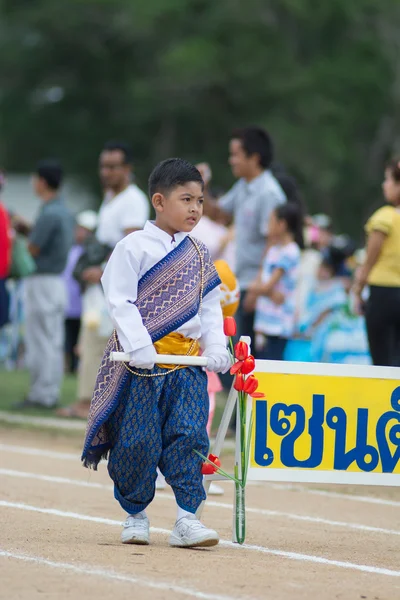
[{"x": 326, "y": 423}]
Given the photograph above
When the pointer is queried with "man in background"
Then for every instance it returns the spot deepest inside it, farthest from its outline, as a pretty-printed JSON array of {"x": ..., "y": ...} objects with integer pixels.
[
  {"x": 125, "y": 209},
  {"x": 250, "y": 201},
  {"x": 49, "y": 241}
]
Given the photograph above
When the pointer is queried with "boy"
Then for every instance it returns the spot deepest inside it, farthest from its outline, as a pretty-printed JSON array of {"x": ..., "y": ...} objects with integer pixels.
[{"x": 163, "y": 297}]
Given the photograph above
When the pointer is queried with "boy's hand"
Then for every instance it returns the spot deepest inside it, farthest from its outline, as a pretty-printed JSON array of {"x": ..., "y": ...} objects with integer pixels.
[
  {"x": 219, "y": 360},
  {"x": 143, "y": 358}
]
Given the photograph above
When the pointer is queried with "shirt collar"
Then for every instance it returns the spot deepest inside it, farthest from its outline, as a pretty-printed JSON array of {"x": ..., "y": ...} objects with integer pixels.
[
  {"x": 168, "y": 241},
  {"x": 255, "y": 183},
  {"x": 55, "y": 200}
]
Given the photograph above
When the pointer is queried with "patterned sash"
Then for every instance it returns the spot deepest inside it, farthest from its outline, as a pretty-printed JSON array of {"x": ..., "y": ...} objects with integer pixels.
[{"x": 168, "y": 297}]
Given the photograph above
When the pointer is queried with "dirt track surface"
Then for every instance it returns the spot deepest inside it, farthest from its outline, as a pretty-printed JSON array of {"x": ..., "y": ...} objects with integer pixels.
[{"x": 60, "y": 530}]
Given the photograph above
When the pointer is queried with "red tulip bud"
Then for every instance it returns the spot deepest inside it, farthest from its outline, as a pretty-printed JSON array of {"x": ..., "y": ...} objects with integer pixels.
[
  {"x": 248, "y": 365},
  {"x": 230, "y": 326},
  {"x": 241, "y": 350},
  {"x": 208, "y": 469},
  {"x": 214, "y": 459},
  {"x": 239, "y": 383},
  {"x": 250, "y": 385}
]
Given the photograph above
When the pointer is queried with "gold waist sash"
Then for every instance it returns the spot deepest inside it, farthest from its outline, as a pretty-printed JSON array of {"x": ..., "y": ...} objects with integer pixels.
[{"x": 177, "y": 344}]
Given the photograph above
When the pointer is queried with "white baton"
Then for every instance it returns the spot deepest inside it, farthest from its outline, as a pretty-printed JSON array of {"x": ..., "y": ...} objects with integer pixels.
[{"x": 167, "y": 359}]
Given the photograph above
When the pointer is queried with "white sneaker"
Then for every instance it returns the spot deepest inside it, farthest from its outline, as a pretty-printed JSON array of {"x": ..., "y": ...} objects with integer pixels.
[
  {"x": 161, "y": 484},
  {"x": 215, "y": 490},
  {"x": 190, "y": 533},
  {"x": 136, "y": 530}
]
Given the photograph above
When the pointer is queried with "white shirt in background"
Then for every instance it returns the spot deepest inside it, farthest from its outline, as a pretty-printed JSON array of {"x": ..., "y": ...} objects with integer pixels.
[
  {"x": 211, "y": 234},
  {"x": 132, "y": 258},
  {"x": 128, "y": 210}
]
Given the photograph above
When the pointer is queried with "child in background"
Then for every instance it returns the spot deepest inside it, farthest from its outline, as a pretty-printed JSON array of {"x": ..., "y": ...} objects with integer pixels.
[
  {"x": 86, "y": 223},
  {"x": 325, "y": 300},
  {"x": 162, "y": 294},
  {"x": 276, "y": 287}
]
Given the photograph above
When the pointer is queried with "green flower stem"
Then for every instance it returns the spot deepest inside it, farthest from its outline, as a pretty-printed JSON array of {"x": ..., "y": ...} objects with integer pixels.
[
  {"x": 232, "y": 350},
  {"x": 218, "y": 469},
  {"x": 248, "y": 450},
  {"x": 240, "y": 516}
]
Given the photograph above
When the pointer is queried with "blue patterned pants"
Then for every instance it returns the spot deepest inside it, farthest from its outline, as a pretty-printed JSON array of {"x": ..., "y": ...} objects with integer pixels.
[{"x": 159, "y": 421}]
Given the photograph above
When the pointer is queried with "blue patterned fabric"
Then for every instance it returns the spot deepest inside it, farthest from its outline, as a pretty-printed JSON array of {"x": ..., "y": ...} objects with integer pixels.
[
  {"x": 168, "y": 297},
  {"x": 158, "y": 422}
]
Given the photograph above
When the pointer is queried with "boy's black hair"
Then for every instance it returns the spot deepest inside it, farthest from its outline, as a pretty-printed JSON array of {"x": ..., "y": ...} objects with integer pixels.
[
  {"x": 293, "y": 215},
  {"x": 170, "y": 173},
  {"x": 123, "y": 147},
  {"x": 51, "y": 171},
  {"x": 256, "y": 140}
]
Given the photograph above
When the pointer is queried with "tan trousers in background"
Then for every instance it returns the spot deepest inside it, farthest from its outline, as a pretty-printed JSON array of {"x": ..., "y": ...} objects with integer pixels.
[
  {"x": 45, "y": 302},
  {"x": 91, "y": 350}
]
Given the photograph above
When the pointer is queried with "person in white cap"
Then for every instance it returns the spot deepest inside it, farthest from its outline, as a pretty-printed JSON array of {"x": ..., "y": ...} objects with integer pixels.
[{"x": 86, "y": 224}]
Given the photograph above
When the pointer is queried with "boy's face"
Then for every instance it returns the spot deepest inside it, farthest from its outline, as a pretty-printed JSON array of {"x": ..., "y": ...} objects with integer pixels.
[
  {"x": 241, "y": 164},
  {"x": 181, "y": 209}
]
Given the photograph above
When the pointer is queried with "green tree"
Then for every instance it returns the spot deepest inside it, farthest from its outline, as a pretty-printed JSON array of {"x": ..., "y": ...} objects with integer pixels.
[{"x": 176, "y": 76}]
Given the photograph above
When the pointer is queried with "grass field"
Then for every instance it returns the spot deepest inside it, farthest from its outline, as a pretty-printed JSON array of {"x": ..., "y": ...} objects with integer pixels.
[{"x": 14, "y": 386}]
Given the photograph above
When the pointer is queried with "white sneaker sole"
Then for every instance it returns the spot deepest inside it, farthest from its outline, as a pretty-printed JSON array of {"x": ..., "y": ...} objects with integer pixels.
[
  {"x": 205, "y": 542},
  {"x": 139, "y": 541}
]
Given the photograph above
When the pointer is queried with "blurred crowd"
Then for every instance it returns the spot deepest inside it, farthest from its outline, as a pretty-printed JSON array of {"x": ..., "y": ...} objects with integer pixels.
[{"x": 306, "y": 292}]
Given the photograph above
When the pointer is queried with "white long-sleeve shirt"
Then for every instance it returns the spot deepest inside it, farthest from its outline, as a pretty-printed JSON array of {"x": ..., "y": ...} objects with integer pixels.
[{"x": 132, "y": 258}]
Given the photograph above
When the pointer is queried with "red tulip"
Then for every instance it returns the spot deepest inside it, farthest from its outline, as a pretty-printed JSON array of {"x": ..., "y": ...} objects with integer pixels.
[
  {"x": 229, "y": 326},
  {"x": 250, "y": 385},
  {"x": 207, "y": 468},
  {"x": 239, "y": 384},
  {"x": 248, "y": 365},
  {"x": 241, "y": 350},
  {"x": 236, "y": 367},
  {"x": 214, "y": 459}
]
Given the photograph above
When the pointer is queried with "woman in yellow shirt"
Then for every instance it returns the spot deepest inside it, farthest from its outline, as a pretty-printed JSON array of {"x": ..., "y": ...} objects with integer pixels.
[{"x": 381, "y": 271}]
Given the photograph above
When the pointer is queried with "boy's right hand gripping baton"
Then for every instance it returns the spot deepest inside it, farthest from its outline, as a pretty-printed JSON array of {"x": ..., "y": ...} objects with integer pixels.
[{"x": 167, "y": 359}]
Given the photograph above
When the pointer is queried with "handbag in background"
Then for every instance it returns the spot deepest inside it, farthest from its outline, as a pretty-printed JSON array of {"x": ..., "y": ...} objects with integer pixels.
[{"x": 22, "y": 263}]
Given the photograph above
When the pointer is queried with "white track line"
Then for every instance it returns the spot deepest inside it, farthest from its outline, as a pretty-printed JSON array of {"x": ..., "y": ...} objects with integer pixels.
[
  {"x": 261, "y": 549},
  {"x": 106, "y": 574},
  {"x": 51, "y": 422},
  {"x": 213, "y": 503},
  {"x": 28, "y": 451}
]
